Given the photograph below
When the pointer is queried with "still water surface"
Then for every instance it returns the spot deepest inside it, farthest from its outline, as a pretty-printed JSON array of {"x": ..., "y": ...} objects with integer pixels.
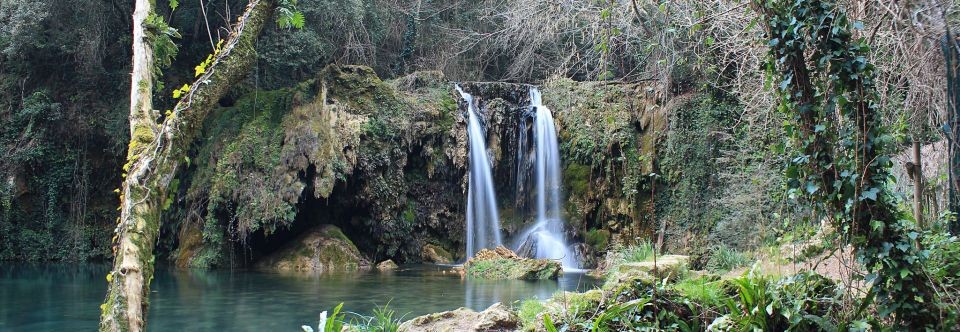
[{"x": 53, "y": 297}]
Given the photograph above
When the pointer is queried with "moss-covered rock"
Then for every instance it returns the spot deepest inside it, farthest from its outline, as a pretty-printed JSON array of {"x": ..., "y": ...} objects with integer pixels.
[
  {"x": 436, "y": 254},
  {"x": 671, "y": 267},
  {"x": 323, "y": 249},
  {"x": 387, "y": 265},
  {"x": 495, "y": 318},
  {"x": 501, "y": 263}
]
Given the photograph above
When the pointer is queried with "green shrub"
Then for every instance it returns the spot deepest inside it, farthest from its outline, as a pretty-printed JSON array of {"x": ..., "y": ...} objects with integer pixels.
[
  {"x": 383, "y": 320},
  {"x": 598, "y": 239},
  {"x": 724, "y": 259}
]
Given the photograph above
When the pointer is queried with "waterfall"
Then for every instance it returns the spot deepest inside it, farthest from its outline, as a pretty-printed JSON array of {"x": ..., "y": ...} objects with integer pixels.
[
  {"x": 545, "y": 239},
  {"x": 483, "y": 221}
]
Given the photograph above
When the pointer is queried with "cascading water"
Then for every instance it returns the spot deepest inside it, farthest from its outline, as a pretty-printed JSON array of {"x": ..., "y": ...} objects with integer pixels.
[
  {"x": 546, "y": 235},
  {"x": 483, "y": 221}
]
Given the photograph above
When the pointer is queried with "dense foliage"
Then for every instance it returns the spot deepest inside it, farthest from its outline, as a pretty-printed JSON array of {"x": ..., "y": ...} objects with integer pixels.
[{"x": 840, "y": 162}]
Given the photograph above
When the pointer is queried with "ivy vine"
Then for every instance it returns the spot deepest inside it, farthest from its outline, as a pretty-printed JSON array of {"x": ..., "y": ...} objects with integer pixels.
[{"x": 839, "y": 162}]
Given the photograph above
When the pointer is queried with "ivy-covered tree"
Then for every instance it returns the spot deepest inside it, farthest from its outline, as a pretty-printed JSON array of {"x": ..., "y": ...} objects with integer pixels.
[{"x": 840, "y": 160}]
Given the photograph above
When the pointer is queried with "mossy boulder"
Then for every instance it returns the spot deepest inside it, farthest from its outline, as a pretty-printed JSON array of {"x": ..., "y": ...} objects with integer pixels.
[
  {"x": 387, "y": 265},
  {"x": 671, "y": 267},
  {"x": 321, "y": 249},
  {"x": 436, "y": 254},
  {"x": 501, "y": 263},
  {"x": 495, "y": 318}
]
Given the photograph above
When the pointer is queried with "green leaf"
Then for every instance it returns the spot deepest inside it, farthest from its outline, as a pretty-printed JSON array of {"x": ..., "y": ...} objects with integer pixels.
[
  {"x": 174, "y": 4},
  {"x": 548, "y": 323},
  {"x": 298, "y": 20}
]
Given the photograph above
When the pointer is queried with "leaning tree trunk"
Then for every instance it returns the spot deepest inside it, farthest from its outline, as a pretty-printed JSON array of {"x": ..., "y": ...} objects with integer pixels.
[{"x": 153, "y": 161}]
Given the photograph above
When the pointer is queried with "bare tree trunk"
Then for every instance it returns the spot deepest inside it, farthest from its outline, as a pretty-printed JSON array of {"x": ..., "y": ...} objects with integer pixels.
[
  {"x": 141, "y": 90},
  {"x": 153, "y": 161},
  {"x": 917, "y": 186}
]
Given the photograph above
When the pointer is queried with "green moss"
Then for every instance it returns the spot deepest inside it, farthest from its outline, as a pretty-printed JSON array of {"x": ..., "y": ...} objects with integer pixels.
[
  {"x": 579, "y": 302},
  {"x": 577, "y": 178},
  {"x": 529, "y": 312},
  {"x": 599, "y": 239},
  {"x": 335, "y": 233},
  {"x": 409, "y": 215}
]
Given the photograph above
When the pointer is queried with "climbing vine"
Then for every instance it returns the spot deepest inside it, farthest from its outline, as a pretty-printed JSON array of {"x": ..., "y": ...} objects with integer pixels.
[{"x": 839, "y": 163}]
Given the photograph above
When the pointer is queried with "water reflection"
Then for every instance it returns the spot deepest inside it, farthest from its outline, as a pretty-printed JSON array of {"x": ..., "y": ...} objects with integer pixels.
[{"x": 60, "y": 297}]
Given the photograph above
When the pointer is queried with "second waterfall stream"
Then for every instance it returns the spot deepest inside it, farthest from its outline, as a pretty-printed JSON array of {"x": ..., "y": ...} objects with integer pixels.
[{"x": 546, "y": 236}]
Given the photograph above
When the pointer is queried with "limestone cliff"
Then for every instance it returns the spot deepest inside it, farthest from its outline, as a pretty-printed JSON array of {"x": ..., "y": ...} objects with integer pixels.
[{"x": 386, "y": 161}]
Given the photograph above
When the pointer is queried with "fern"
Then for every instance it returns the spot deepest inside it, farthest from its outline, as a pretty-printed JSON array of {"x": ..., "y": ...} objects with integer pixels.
[{"x": 288, "y": 16}]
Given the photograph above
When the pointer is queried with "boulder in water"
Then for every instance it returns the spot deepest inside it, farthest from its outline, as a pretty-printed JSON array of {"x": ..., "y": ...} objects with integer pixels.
[
  {"x": 387, "y": 265},
  {"x": 501, "y": 263},
  {"x": 436, "y": 254},
  {"x": 324, "y": 248},
  {"x": 495, "y": 318}
]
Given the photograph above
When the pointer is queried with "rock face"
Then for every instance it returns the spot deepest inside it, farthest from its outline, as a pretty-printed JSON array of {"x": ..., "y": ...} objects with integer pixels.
[
  {"x": 322, "y": 249},
  {"x": 387, "y": 162},
  {"x": 436, "y": 254},
  {"x": 501, "y": 263},
  {"x": 495, "y": 318}
]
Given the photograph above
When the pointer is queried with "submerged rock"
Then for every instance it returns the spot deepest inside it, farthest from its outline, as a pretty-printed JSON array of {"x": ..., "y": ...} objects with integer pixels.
[
  {"x": 495, "y": 318},
  {"x": 501, "y": 263},
  {"x": 436, "y": 254},
  {"x": 387, "y": 265},
  {"x": 321, "y": 249}
]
